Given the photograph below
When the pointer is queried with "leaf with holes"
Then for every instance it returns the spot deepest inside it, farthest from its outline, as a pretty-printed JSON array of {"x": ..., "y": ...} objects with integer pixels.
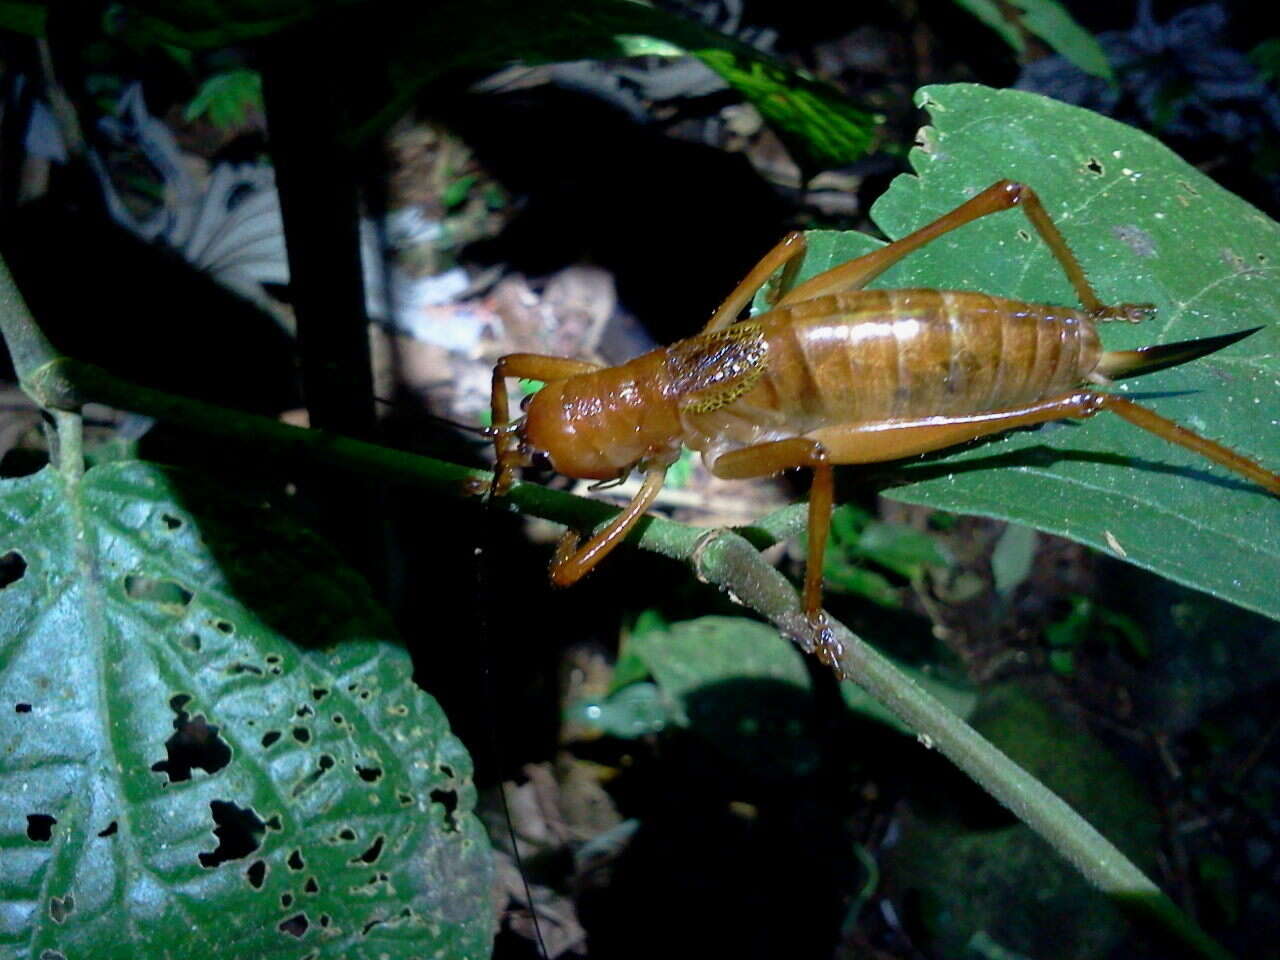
[
  {"x": 212, "y": 745},
  {"x": 1146, "y": 227}
]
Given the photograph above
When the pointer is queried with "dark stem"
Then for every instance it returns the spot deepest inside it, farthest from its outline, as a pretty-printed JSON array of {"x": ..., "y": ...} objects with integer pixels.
[{"x": 316, "y": 179}]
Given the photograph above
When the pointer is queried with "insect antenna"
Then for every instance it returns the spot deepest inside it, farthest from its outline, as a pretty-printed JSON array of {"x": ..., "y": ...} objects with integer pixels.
[
  {"x": 486, "y": 432},
  {"x": 492, "y": 707}
]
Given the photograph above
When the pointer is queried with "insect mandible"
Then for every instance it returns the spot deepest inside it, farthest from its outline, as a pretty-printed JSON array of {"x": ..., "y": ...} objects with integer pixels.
[{"x": 836, "y": 374}]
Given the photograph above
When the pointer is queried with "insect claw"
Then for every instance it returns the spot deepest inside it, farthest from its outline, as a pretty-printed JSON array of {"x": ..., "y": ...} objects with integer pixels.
[
  {"x": 814, "y": 635},
  {"x": 565, "y": 550},
  {"x": 826, "y": 647},
  {"x": 1137, "y": 312},
  {"x": 612, "y": 482}
]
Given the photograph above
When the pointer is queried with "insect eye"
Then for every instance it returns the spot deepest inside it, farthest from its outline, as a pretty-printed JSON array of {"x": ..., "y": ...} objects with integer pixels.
[{"x": 540, "y": 460}]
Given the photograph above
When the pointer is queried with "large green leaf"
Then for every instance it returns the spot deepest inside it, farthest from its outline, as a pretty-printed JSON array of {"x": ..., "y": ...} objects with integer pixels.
[
  {"x": 1146, "y": 227},
  {"x": 210, "y": 744}
]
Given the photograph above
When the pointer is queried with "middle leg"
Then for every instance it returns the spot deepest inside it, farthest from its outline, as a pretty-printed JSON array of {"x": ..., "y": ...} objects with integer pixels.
[
  {"x": 788, "y": 254},
  {"x": 770, "y": 458}
]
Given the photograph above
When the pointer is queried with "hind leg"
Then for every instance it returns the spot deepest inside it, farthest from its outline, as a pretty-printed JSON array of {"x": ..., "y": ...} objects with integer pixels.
[{"x": 1002, "y": 195}]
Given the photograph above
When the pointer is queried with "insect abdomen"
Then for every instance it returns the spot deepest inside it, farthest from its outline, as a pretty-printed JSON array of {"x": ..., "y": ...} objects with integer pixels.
[{"x": 875, "y": 355}]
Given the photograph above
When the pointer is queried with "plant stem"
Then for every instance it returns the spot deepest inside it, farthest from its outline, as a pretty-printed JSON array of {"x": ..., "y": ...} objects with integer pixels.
[{"x": 28, "y": 346}]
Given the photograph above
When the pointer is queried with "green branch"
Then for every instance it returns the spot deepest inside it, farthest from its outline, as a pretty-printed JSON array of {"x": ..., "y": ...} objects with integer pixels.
[
  {"x": 28, "y": 346},
  {"x": 721, "y": 557}
]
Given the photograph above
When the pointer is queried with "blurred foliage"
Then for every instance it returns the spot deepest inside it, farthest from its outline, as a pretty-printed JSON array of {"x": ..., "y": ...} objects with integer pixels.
[
  {"x": 227, "y": 98},
  {"x": 1048, "y": 20},
  {"x": 1182, "y": 78},
  {"x": 696, "y": 664},
  {"x": 20, "y": 17},
  {"x": 857, "y": 539},
  {"x": 1011, "y": 559},
  {"x": 394, "y": 52},
  {"x": 1087, "y": 621}
]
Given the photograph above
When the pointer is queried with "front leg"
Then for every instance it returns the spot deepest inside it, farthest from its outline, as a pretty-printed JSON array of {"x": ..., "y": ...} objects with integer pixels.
[{"x": 572, "y": 562}]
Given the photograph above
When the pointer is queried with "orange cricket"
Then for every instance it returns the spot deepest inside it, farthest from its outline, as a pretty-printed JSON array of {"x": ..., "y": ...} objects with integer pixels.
[{"x": 835, "y": 374}]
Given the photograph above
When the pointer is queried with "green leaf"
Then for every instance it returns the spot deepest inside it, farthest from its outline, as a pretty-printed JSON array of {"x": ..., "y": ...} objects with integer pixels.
[
  {"x": 841, "y": 576},
  {"x": 681, "y": 472},
  {"x": 1266, "y": 57},
  {"x": 637, "y": 710},
  {"x": 455, "y": 194},
  {"x": 1146, "y": 227},
  {"x": 1072, "y": 630},
  {"x": 856, "y": 539},
  {"x": 740, "y": 687},
  {"x": 1062, "y": 662},
  {"x": 692, "y": 654},
  {"x": 1012, "y": 557},
  {"x": 227, "y": 97},
  {"x": 629, "y": 668},
  {"x": 713, "y": 670},
  {"x": 816, "y": 121},
  {"x": 1049, "y": 21},
  {"x": 1087, "y": 619},
  {"x": 902, "y": 549},
  {"x": 1125, "y": 633},
  {"x": 842, "y": 567},
  {"x": 204, "y": 24},
  {"x": 212, "y": 744}
]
